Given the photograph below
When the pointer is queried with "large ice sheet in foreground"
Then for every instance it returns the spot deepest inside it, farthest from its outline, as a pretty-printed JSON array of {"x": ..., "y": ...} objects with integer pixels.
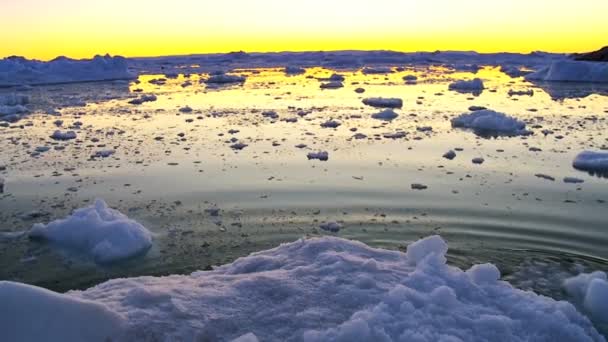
[
  {"x": 321, "y": 289},
  {"x": 20, "y": 71},
  {"x": 572, "y": 71}
]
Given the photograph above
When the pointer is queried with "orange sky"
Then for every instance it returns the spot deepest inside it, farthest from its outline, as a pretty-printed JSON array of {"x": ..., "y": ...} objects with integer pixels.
[{"x": 44, "y": 29}]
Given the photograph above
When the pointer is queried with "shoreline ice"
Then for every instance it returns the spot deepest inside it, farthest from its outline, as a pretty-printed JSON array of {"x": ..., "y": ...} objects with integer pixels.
[{"x": 318, "y": 289}]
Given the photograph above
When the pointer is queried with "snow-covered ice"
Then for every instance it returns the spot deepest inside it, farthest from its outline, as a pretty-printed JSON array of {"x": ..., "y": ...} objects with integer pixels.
[
  {"x": 590, "y": 290},
  {"x": 320, "y": 289},
  {"x": 31, "y": 313},
  {"x": 489, "y": 122},
  {"x": 572, "y": 71},
  {"x": 16, "y": 71},
  {"x": 474, "y": 86},
  {"x": 383, "y": 102},
  {"x": 97, "y": 230}
]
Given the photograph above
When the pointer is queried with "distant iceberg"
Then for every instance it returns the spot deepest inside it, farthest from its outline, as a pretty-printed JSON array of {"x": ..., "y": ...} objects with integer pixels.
[
  {"x": 16, "y": 71},
  {"x": 572, "y": 71}
]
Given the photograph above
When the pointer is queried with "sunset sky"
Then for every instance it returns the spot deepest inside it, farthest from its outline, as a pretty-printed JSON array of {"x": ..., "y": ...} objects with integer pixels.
[{"x": 44, "y": 29}]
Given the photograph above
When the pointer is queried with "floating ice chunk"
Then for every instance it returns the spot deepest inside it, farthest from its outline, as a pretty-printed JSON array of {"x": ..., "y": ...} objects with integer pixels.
[
  {"x": 103, "y": 153},
  {"x": 294, "y": 70},
  {"x": 343, "y": 289},
  {"x": 590, "y": 290},
  {"x": 418, "y": 186},
  {"x": 449, "y": 155},
  {"x": 410, "y": 78},
  {"x": 331, "y": 85},
  {"x": 387, "y": 115},
  {"x": 20, "y": 71},
  {"x": 572, "y": 71},
  {"x": 592, "y": 162},
  {"x": 185, "y": 109},
  {"x": 527, "y": 92},
  {"x": 331, "y": 226},
  {"x": 59, "y": 135},
  {"x": 238, "y": 146},
  {"x": 573, "y": 180},
  {"x": 468, "y": 86},
  {"x": 330, "y": 124},
  {"x": 376, "y": 70},
  {"x": 31, "y": 313},
  {"x": 225, "y": 79},
  {"x": 12, "y": 106},
  {"x": 104, "y": 233},
  {"x": 270, "y": 114},
  {"x": 488, "y": 122},
  {"x": 321, "y": 155},
  {"x": 336, "y": 78},
  {"x": 395, "y": 135},
  {"x": 383, "y": 102},
  {"x": 477, "y": 160}
]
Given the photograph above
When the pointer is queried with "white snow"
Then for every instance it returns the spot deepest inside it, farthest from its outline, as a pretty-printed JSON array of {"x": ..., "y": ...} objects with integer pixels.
[
  {"x": 590, "y": 161},
  {"x": 320, "y": 289},
  {"x": 383, "y": 102},
  {"x": 474, "y": 85},
  {"x": 572, "y": 71},
  {"x": 31, "y": 313},
  {"x": 590, "y": 290},
  {"x": 99, "y": 231},
  {"x": 386, "y": 115},
  {"x": 490, "y": 122},
  {"x": 19, "y": 71}
]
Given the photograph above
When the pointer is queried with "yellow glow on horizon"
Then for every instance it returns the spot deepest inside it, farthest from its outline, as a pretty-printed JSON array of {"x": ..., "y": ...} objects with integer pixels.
[{"x": 44, "y": 29}]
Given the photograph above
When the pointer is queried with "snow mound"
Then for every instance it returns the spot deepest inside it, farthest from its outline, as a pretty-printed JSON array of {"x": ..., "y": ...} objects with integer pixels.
[
  {"x": 572, "y": 71},
  {"x": 474, "y": 86},
  {"x": 16, "y": 71},
  {"x": 32, "y": 313},
  {"x": 383, "y": 102},
  {"x": 590, "y": 290},
  {"x": 592, "y": 162},
  {"x": 104, "y": 233},
  {"x": 320, "y": 289},
  {"x": 488, "y": 122}
]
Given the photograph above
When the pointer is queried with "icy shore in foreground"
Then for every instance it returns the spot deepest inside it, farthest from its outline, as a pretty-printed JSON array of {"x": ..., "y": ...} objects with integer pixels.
[{"x": 320, "y": 289}]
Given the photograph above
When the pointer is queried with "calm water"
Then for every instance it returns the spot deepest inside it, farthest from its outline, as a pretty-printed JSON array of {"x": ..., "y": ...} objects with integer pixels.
[{"x": 170, "y": 167}]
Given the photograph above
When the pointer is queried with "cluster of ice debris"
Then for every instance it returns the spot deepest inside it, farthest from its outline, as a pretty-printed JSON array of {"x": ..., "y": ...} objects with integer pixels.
[{"x": 320, "y": 289}]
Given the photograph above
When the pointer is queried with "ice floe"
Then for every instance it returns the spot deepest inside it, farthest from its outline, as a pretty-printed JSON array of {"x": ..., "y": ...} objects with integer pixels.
[
  {"x": 383, "y": 102},
  {"x": 225, "y": 79},
  {"x": 592, "y": 162},
  {"x": 320, "y": 289},
  {"x": 488, "y": 122},
  {"x": 467, "y": 86},
  {"x": 386, "y": 115},
  {"x": 59, "y": 135},
  {"x": 321, "y": 155},
  {"x": 97, "y": 230}
]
